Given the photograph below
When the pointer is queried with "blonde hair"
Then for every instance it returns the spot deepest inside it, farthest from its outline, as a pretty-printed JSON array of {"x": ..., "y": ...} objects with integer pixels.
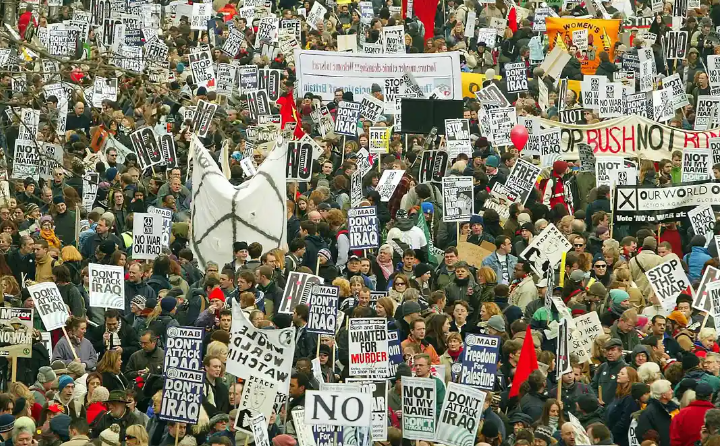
[
  {"x": 217, "y": 348},
  {"x": 108, "y": 362},
  {"x": 70, "y": 254},
  {"x": 139, "y": 433},
  {"x": 707, "y": 332},
  {"x": 279, "y": 257},
  {"x": 20, "y": 390},
  {"x": 488, "y": 274},
  {"x": 344, "y": 286},
  {"x": 598, "y": 347}
]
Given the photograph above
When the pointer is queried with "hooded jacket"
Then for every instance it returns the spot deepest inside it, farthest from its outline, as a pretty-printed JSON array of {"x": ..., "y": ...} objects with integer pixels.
[
  {"x": 619, "y": 417},
  {"x": 313, "y": 244}
]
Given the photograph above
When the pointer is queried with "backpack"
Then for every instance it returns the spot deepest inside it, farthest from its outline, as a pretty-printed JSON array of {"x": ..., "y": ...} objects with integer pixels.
[{"x": 160, "y": 325}]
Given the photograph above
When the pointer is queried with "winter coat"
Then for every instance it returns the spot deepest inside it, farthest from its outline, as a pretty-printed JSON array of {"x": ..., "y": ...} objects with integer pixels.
[
  {"x": 606, "y": 377},
  {"x": 570, "y": 394},
  {"x": 159, "y": 282},
  {"x": 606, "y": 69},
  {"x": 524, "y": 293},
  {"x": 695, "y": 261},
  {"x": 532, "y": 404},
  {"x": 313, "y": 244},
  {"x": 72, "y": 298},
  {"x": 469, "y": 292},
  {"x": 685, "y": 426},
  {"x": 596, "y": 416},
  {"x": 644, "y": 261},
  {"x": 572, "y": 70},
  {"x": 656, "y": 416},
  {"x": 619, "y": 417},
  {"x": 65, "y": 227},
  {"x": 629, "y": 340},
  {"x": 133, "y": 289}
]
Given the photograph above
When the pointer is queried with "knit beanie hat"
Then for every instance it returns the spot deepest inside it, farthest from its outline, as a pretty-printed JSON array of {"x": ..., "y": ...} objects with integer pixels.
[
  {"x": 64, "y": 381},
  {"x": 100, "y": 394},
  {"x": 638, "y": 390},
  {"x": 284, "y": 440},
  {"x": 111, "y": 436}
]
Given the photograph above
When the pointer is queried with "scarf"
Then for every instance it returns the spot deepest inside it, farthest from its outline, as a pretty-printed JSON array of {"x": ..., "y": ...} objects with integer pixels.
[
  {"x": 455, "y": 354},
  {"x": 50, "y": 237},
  {"x": 387, "y": 267}
]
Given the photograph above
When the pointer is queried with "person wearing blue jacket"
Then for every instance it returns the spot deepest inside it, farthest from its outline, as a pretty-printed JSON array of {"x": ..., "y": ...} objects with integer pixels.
[{"x": 696, "y": 258}]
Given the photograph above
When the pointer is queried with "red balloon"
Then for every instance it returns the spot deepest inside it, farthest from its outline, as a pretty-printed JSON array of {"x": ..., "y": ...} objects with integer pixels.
[{"x": 519, "y": 136}]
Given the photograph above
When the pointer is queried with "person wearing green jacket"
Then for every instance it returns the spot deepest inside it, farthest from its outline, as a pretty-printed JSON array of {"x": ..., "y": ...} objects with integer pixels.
[{"x": 676, "y": 171}]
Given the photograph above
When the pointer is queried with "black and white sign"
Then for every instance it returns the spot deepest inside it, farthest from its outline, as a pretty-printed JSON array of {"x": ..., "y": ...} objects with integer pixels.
[
  {"x": 323, "y": 306},
  {"x": 457, "y": 198},
  {"x": 347, "y": 118},
  {"x": 147, "y": 236},
  {"x": 107, "y": 286},
  {"x": 363, "y": 228},
  {"x": 433, "y": 165},
  {"x": 676, "y": 44},
  {"x": 668, "y": 280},
  {"x": 516, "y": 77},
  {"x": 338, "y": 408},
  {"x": 696, "y": 165},
  {"x": 49, "y": 304}
]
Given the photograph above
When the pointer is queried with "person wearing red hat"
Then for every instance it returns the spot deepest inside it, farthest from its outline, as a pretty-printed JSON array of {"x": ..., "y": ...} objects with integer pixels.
[{"x": 554, "y": 188}]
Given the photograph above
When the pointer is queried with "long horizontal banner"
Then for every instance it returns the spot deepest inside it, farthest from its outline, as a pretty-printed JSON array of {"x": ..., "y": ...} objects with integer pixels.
[
  {"x": 658, "y": 204},
  {"x": 629, "y": 136},
  {"x": 323, "y": 72}
]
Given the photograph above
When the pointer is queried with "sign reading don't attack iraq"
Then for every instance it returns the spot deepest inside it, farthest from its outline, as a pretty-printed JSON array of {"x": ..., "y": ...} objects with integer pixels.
[{"x": 184, "y": 375}]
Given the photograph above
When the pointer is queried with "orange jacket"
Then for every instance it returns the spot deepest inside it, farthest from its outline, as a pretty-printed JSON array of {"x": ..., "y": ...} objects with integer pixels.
[{"x": 424, "y": 348}]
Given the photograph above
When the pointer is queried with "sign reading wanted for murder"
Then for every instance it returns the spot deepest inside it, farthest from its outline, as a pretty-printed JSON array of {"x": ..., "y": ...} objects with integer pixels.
[{"x": 368, "y": 347}]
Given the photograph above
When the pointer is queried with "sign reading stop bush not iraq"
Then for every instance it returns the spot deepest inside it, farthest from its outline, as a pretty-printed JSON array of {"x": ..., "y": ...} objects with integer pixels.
[
  {"x": 107, "y": 288},
  {"x": 368, "y": 347},
  {"x": 50, "y": 305},
  {"x": 364, "y": 228},
  {"x": 184, "y": 378},
  {"x": 457, "y": 198},
  {"x": 418, "y": 408}
]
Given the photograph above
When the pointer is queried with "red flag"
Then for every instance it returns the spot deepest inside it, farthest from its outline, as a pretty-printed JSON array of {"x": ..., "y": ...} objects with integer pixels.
[
  {"x": 425, "y": 11},
  {"x": 512, "y": 19},
  {"x": 289, "y": 113},
  {"x": 526, "y": 364}
]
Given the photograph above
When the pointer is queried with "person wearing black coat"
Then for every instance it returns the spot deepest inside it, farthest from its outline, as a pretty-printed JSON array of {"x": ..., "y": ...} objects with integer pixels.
[
  {"x": 533, "y": 401},
  {"x": 620, "y": 413},
  {"x": 313, "y": 244},
  {"x": 382, "y": 210},
  {"x": 572, "y": 70},
  {"x": 606, "y": 68},
  {"x": 216, "y": 398},
  {"x": 605, "y": 375},
  {"x": 658, "y": 413}
]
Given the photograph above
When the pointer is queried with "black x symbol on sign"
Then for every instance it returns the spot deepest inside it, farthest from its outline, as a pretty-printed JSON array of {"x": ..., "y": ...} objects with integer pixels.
[{"x": 627, "y": 199}]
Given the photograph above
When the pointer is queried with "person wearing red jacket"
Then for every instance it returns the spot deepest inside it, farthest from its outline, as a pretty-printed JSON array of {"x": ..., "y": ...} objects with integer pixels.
[
  {"x": 685, "y": 426},
  {"x": 25, "y": 19},
  {"x": 554, "y": 191}
]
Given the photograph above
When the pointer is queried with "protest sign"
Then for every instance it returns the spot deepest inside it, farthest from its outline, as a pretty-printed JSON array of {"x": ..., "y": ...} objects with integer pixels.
[
  {"x": 338, "y": 408},
  {"x": 90, "y": 188},
  {"x": 501, "y": 120},
  {"x": 549, "y": 142},
  {"x": 371, "y": 107},
  {"x": 480, "y": 361},
  {"x": 26, "y": 161},
  {"x": 696, "y": 165},
  {"x": 677, "y": 86},
  {"x": 546, "y": 249},
  {"x": 563, "y": 349},
  {"x": 457, "y": 136},
  {"x": 368, "y": 347},
  {"x": 347, "y": 118},
  {"x": 393, "y": 39},
  {"x": 658, "y": 204},
  {"x": 676, "y": 44},
  {"x": 637, "y": 104},
  {"x": 516, "y": 77},
  {"x": 433, "y": 165},
  {"x": 323, "y": 306},
  {"x": 268, "y": 30},
  {"x": 317, "y": 14},
  {"x": 184, "y": 376},
  {"x": 146, "y": 146},
  {"x": 588, "y": 328},
  {"x": 492, "y": 94},
  {"x": 610, "y": 100},
  {"x": 297, "y": 290},
  {"x": 266, "y": 354},
  {"x": 460, "y": 415},
  {"x": 184, "y": 349},
  {"x": 662, "y": 106},
  {"x": 300, "y": 157},
  {"x": 204, "y": 113},
  {"x": 522, "y": 180},
  {"x": 303, "y": 431},
  {"x": 147, "y": 236},
  {"x": 258, "y": 428},
  {"x": 394, "y": 352},
  {"x": 107, "y": 286},
  {"x": 378, "y": 389},
  {"x": 388, "y": 182},
  {"x": 702, "y": 219},
  {"x": 591, "y": 86},
  {"x": 418, "y": 408},
  {"x": 704, "y": 112},
  {"x": 356, "y": 189},
  {"x": 167, "y": 215},
  {"x": 363, "y": 228},
  {"x": 202, "y": 68},
  {"x": 258, "y": 397},
  {"x": 49, "y": 304},
  {"x": 17, "y": 332},
  {"x": 668, "y": 280},
  {"x": 457, "y": 198}
]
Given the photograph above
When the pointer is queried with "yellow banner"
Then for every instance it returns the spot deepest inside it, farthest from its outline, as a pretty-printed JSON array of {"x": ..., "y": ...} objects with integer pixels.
[
  {"x": 472, "y": 82},
  {"x": 601, "y": 36}
]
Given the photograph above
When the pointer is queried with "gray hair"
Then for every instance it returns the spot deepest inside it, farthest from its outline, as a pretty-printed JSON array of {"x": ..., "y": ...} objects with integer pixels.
[
  {"x": 539, "y": 224},
  {"x": 659, "y": 387},
  {"x": 649, "y": 372},
  {"x": 20, "y": 430},
  {"x": 411, "y": 294}
]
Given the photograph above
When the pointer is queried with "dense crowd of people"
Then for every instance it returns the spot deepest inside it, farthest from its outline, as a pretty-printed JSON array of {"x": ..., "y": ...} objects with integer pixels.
[{"x": 651, "y": 378}]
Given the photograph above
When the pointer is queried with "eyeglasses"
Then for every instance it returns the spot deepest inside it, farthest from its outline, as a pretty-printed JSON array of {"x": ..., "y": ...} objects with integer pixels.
[
  {"x": 130, "y": 437},
  {"x": 400, "y": 283},
  {"x": 600, "y": 266},
  {"x": 579, "y": 245}
]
